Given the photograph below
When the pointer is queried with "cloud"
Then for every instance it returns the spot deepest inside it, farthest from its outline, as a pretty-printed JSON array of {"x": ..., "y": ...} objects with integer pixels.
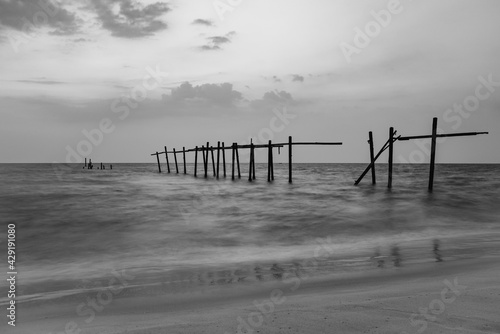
[
  {"x": 80, "y": 40},
  {"x": 276, "y": 79},
  {"x": 130, "y": 19},
  {"x": 203, "y": 22},
  {"x": 41, "y": 81},
  {"x": 297, "y": 78},
  {"x": 214, "y": 42},
  {"x": 273, "y": 99},
  {"x": 205, "y": 94},
  {"x": 29, "y": 15}
]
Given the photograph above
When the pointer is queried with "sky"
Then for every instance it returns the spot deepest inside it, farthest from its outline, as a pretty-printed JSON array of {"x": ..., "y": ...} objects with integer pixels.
[{"x": 117, "y": 80}]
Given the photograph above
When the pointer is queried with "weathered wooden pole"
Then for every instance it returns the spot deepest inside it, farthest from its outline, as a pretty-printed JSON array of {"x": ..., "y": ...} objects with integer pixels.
[
  {"x": 184, "y": 158},
  {"x": 166, "y": 158},
  {"x": 218, "y": 158},
  {"x": 250, "y": 167},
  {"x": 224, "y": 159},
  {"x": 85, "y": 163},
  {"x": 195, "y": 160},
  {"x": 269, "y": 161},
  {"x": 207, "y": 157},
  {"x": 372, "y": 156},
  {"x": 176, "y": 166},
  {"x": 391, "y": 153},
  {"x": 238, "y": 160},
  {"x": 433, "y": 153},
  {"x": 158, "y": 159},
  {"x": 213, "y": 160},
  {"x": 204, "y": 160},
  {"x": 272, "y": 165},
  {"x": 290, "y": 159},
  {"x": 232, "y": 165}
]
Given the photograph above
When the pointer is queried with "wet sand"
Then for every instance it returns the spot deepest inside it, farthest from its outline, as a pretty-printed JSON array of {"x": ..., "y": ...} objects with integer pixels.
[{"x": 461, "y": 296}]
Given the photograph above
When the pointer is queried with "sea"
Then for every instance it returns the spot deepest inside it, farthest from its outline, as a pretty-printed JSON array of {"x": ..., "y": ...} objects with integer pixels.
[{"x": 175, "y": 233}]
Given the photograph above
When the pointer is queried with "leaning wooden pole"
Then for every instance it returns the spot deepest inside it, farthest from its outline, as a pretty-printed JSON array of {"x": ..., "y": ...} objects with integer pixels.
[
  {"x": 238, "y": 160},
  {"x": 166, "y": 158},
  {"x": 195, "y": 160},
  {"x": 176, "y": 166},
  {"x": 158, "y": 159},
  {"x": 433, "y": 153},
  {"x": 391, "y": 153},
  {"x": 204, "y": 160},
  {"x": 372, "y": 157},
  {"x": 290, "y": 159},
  {"x": 223, "y": 159},
  {"x": 213, "y": 160},
  {"x": 218, "y": 158}
]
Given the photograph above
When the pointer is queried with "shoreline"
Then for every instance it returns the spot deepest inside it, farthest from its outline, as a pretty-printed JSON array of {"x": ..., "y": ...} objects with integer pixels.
[{"x": 386, "y": 301}]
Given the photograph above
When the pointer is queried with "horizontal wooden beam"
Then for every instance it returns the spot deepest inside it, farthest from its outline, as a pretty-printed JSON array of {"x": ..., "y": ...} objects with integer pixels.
[{"x": 445, "y": 135}]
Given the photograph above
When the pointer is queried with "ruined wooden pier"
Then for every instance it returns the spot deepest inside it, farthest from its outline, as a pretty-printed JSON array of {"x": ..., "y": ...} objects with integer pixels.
[{"x": 207, "y": 152}]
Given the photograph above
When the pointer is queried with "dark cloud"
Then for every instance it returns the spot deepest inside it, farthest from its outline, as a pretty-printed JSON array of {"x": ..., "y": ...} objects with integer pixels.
[
  {"x": 29, "y": 15},
  {"x": 203, "y": 22},
  {"x": 298, "y": 78},
  {"x": 132, "y": 20},
  {"x": 276, "y": 79},
  {"x": 81, "y": 40},
  {"x": 214, "y": 42},
  {"x": 273, "y": 99},
  {"x": 206, "y": 94},
  {"x": 41, "y": 81}
]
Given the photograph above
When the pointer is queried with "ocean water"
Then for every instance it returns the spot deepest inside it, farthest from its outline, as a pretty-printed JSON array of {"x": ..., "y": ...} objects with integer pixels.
[{"x": 75, "y": 226}]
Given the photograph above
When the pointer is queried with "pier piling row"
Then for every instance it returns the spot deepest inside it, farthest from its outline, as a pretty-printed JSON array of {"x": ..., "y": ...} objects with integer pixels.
[{"x": 208, "y": 151}]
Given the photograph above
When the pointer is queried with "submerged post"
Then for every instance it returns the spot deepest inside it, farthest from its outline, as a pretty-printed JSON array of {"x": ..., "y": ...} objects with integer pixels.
[
  {"x": 166, "y": 158},
  {"x": 238, "y": 160},
  {"x": 433, "y": 153},
  {"x": 391, "y": 151},
  {"x": 158, "y": 159},
  {"x": 195, "y": 160},
  {"x": 218, "y": 158},
  {"x": 372, "y": 156},
  {"x": 290, "y": 159},
  {"x": 85, "y": 163},
  {"x": 232, "y": 165},
  {"x": 213, "y": 160},
  {"x": 204, "y": 160},
  {"x": 184, "y": 158},
  {"x": 176, "y": 166},
  {"x": 250, "y": 167},
  {"x": 269, "y": 161},
  {"x": 224, "y": 159}
]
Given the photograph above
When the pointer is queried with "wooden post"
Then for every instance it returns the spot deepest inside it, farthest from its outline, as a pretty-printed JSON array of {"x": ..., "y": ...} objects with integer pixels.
[
  {"x": 204, "y": 160},
  {"x": 253, "y": 161},
  {"x": 250, "y": 167},
  {"x": 372, "y": 157},
  {"x": 238, "y": 160},
  {"x": 184, "y": 158},
  {"x": 391, "y": 153},
  {"x": 166, "y": 158},
  {"x": 433, "y": 153},
  {"x": 290, "y": 159},
  {"x": 224, "y": 159},
  {"x": 218, "y": 158},
  {"x": 213, "y": 160},
  {"x": 232, "y": 165},
  {"x": 269, "y": 162},
  {"x": 195, "y": 160},
  {"x": 158, "y": 159},
  {"x": 176, "y": 166},
  {"x": 272, "y": 165},
  {"x": 85, "y": 163}
]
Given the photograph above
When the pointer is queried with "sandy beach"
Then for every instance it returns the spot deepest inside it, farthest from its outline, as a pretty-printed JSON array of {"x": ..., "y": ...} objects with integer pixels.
[{"x": 444, "y": 297}]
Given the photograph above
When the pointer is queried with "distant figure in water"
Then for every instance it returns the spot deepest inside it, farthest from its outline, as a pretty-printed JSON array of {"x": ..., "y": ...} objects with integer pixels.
[{"x": 437, "y": 253}]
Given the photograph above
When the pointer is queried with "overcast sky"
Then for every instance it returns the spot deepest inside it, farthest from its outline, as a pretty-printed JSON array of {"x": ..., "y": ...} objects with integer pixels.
[{"x": 181, "y": 73}]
